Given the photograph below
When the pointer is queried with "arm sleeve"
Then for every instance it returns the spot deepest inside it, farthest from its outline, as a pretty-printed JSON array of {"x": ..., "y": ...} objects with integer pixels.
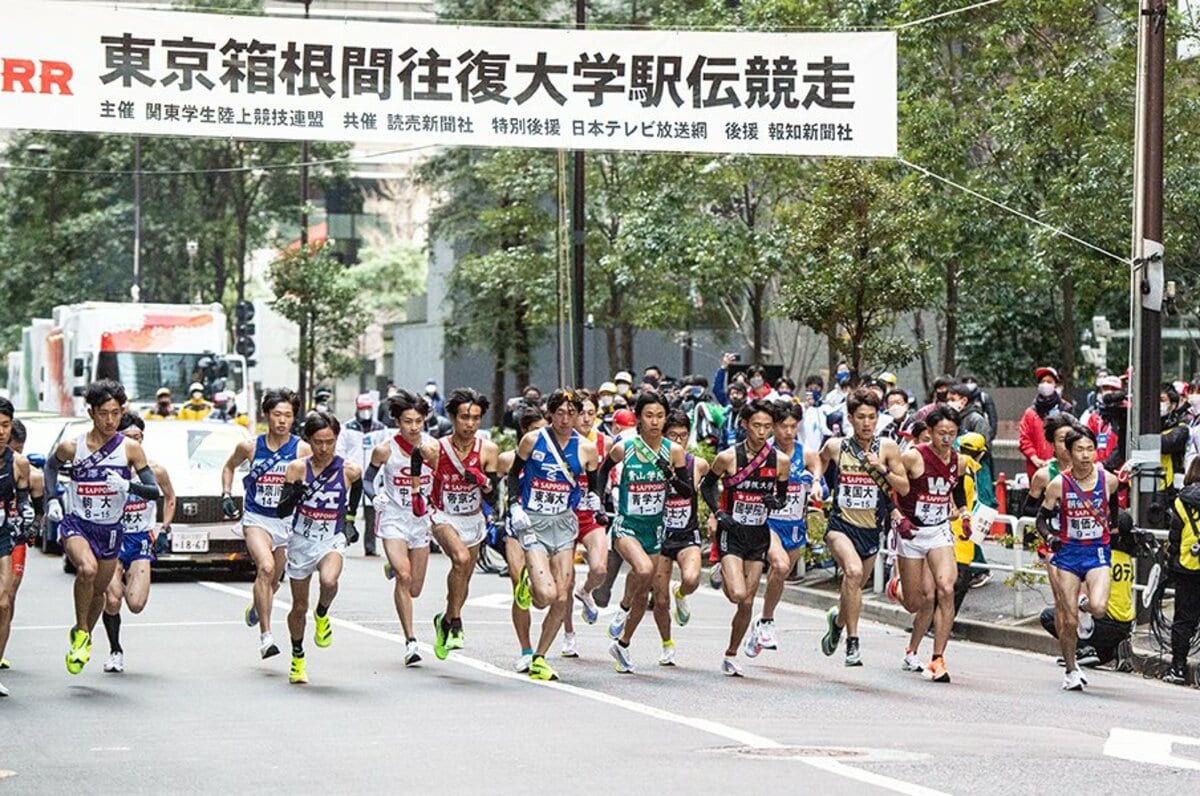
[
  {"x": 356, "y": 493},
  {"x": 147, "y": 485},
  {"x": 514, "y": 478},
  {"x": 50, "y": 473},
  {"x": 603, "y": 476},
  {"x": 368, "y": 480},
  {"x": 595, "y": 482},
  {"x": 710, "y": 492},
  {"x": 493, "y": 494},
  {"x": 682, "y": 485},
  {"x": 960, "y": 493},
  {"x": 1044, "y": 516},
  {"x": 293, "y": 491}
]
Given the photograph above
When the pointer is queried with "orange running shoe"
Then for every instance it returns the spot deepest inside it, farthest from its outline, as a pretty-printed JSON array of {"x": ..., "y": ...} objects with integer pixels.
[{"x": 937, "y": 670}]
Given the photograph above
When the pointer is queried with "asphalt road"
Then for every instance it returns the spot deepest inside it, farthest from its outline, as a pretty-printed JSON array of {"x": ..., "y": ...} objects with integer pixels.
[{"x": 196, "y": 710}]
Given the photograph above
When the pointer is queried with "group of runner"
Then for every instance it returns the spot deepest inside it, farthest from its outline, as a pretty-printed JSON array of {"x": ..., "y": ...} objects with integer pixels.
[{"x": 550, "y": 496}]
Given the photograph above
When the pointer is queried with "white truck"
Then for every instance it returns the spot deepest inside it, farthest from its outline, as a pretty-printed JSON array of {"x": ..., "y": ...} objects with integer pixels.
[{"x": 143, "y": 346}]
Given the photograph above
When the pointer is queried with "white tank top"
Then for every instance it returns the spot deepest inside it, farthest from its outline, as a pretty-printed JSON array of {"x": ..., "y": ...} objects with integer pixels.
[
  {"x": 88, "y": 495},
  {"x": 397, "y": 477}
]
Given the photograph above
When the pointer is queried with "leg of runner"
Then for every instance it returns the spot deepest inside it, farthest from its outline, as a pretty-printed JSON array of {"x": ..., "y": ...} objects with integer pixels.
[
  {"x": 855, "y": 573},
  {"x": 6, "y": 607},
  {"x": 596, "y": 545},
  {"x": 409, "y": 582},
  {"x": 1066, "y": 617},
  {"x": 462, "y": 564},
  {"x": 569, "y": 649},
  {"x": 269, "y": 567},
  {"x": 514, "y": 554},
  {"x": 328, "y": 573},
  {"x": 633, "y": 606},
  {"x": 137, "y": 585},
  {"x": 916, "y": 592},
  {"x": 91, "y": 582},
  {"x": 661, "y": 589},
  {"x": 944, "y": 572},
  {"x": 113, "y": 598},
  {"x": 295, "y": 623},
  {"x": 740, "y": 583},
  {"x": 550, "y": 584},
  {"x": 18, "y": 573},
  {"x": 779, "y": 562},
  {"x": 602, "y": 594},
  {"x": 689, "y": 559}
]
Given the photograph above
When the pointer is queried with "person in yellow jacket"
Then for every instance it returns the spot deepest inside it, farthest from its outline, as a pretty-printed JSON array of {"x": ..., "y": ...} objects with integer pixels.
[
  {"x": 163, "y": 409},
  {"x": 1183, "y": 555},
  {"x": 196, "y": 407}
]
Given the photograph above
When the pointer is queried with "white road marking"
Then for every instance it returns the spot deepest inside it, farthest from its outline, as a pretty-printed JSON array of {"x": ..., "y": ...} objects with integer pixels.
[
  {"x": 127, "y": 624},
  {"x": 734, "y": 734},
  {"x": 1149, "y": 747},
  {"x": 6, "y": 774}
]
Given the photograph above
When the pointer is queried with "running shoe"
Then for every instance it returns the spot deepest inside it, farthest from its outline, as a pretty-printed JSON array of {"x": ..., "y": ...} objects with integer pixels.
[
  {"x": 668, "y": 654},
  {"x": 3, "y": 690},
  {"x": 982, "y": 579},
  {"x": 683, "y": 614},
  {"x": 80, "y": 652},
  {"x": 617, "y": 626},
  {"x": 937, "y": 671},
  {"x": 753, "y": 645},
  {"x": 1087, "y": 622},
  {"x": 587, "y": 606},
  {"x": 439, "y": 638},
  {"x": 833, "y": 633},
  {"x": 540, "y": 670},
  {"x": 1087, "y": 656},
  {"x": 299, "y": 673},
  {"x": 4, "y": 663},
  {"x": 250, "y": 615},
  {"x": 1124, "y": 660},
  {"x": 620, "y": 654},
  {"x": 266, "y": 646},
  {"x": 892, "y": 590},
  {"x": 522, "y": 596},
  {"x": 521, "y": 664},
  {"x": 323, "y": 632},
  {"x": 1176, "y": 676},
  {"x": 388, "y": 572},
  {"x": 411, "y": 655},
  {"x": 568, "y": 646},
  {"x": 766, "y": 634},
  {"x": 852, "y": 656},
  {"x": 714, "y": 576},
  {"x": 729, "y": 668},
  {"x": 115, "y": 663},
  {"x": 911, "y": 663},
  {"x": 455, "y": 639},
  {"x": 1073, "y": 681}
]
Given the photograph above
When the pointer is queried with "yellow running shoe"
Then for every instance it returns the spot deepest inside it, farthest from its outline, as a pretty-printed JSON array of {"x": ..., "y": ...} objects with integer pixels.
[
  {"x": 5, "y": 664},
  {"x": 522, "y": 596},
  {"x": 540, "y": 670},
  {"x": 323, "y": 635},
  {"x": 80, "y": 652},
  {"x": 299, "y": 674}
]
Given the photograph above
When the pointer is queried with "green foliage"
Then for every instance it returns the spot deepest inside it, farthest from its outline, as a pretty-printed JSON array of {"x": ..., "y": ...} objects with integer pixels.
[{"x": 387, "y": 277}]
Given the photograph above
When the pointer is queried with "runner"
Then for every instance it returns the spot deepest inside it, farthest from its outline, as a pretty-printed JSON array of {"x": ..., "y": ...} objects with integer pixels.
[
  {"x": 925, "y": 543},
  {"x": 265, "y": 534},
  {"x": 102, "y": 463},
  {"x": 37, "y": 498},
  {"x": 465, "y": 478},
  {"x": 652, "y": 467},
  {"x": 789, "y": 524},
  {"x": 754, "y": 482},
  {"x": 529, "y": 419},
  {"x": 595, "y": 544},
  {"x": 408, "y": 461},
  {"x": 680, "y": 545},
  {"x": 1085, "y": 503},
  {"x": 541, "y": 509},
  {"x": 319, "y": 492},
  {"x": 867, "y": 470},
  {"x": 16, "y": 520},
  {"x": 131, "y": 579}
]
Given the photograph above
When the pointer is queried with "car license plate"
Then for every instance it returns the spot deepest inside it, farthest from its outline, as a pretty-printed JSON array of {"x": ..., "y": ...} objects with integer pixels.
[{"x": 189, "y": 541}]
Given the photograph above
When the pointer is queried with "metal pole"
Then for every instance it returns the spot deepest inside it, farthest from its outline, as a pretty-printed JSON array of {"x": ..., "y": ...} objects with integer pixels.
[
  {"x": 1147, "y": 280},
  {"x": 303, "y": 352},
  {"x": 577, "y": 240},
  {"x": 137, "y": 219}
]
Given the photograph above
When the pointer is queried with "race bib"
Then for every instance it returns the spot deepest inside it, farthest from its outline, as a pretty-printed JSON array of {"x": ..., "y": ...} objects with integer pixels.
[
  {"x": 748, "y": 508},
  {"x": 676, "y": 513},
  {"x": 797, "y": 499},
  {"x": 402, "y": 488},
  {"x": 268, "y": 489},
  {"x": 461, "y": 499},
  {"x": 645, "y": 499},
  {"x": 1082, "y": 525},
  {"x": 548, "y": 497},
  {"x": 857, "y": 492},
  {"x": 97, "y": 503},
  {"x": 932, "y": 511},
  {"x": 131, "y": 520},
  {"x": 317, "y": 523}
]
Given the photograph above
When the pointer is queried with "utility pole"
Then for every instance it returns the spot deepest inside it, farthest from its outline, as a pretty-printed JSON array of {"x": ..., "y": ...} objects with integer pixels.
[
  {"x": 577, "y": 239},
  {"x": 136, "y": 292},
  {"x": 304, "y": 341},
  {"x": 1146, "y": 293}
]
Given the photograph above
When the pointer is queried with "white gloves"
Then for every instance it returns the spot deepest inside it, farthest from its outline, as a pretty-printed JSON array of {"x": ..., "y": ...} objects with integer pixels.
[{"x": 518, "y": 519}]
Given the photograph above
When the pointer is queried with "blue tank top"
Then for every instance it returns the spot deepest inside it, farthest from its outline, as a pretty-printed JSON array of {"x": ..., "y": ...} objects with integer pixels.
[
  {"x": 320, "y": 515},
  {"x": 268, "y": 471},
  {"x": 793, "y": 515},
  {"x": 545, "y": 487}
]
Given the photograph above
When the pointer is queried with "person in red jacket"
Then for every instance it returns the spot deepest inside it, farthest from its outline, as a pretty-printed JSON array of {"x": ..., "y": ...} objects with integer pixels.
[{"x": 1048, "y": 402}]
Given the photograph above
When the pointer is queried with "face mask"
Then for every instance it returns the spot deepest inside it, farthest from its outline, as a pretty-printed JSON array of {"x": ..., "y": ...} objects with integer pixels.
[
  {"x": 363, "y": 415},
  {"x": 737, "y": 400},
  {"x": 957, "y": 407},
  {"x": 843, "y": 376},
  {"x": 430, "y": 389},
  {"x": 756, "y": 382},
  {"x": 1046, "y": 389},
  {"x": 898, "y": 411},
  {"x": 392, "y": 391},
  {"x": 1194, "y": 402},
  {"x": 971, "y": 385},
  {"x": 815, "y": 395},
  {"x": 940, "y": 397},
  {"x": 1164, "y": 409}
]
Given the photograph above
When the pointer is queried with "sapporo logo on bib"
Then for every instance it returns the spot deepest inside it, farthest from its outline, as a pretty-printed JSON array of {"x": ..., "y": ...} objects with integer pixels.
[{"x": 676, "y": 513}]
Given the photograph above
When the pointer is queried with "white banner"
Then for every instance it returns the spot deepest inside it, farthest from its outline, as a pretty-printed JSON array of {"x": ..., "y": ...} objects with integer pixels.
[{"x": 115, "y": 70}]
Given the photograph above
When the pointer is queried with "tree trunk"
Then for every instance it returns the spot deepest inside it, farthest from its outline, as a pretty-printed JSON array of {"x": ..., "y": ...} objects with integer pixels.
[
  {"x": 499, "y": 370},
  {"x": 522, "y": 354},
  {"x": 1069, "y": 333},
  {"x": 919, "y": 334},
  {"x": 627, "y": 347},
  {"x": 610, "y": 343},
  {"x": 220, "y": 272},
  {"x": 950, "y": 352},
  {"x": 757, "y": 292}
]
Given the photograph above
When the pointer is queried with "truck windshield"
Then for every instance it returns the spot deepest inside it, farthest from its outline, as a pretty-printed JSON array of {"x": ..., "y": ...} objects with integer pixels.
[{"x": 143, "y": 373}]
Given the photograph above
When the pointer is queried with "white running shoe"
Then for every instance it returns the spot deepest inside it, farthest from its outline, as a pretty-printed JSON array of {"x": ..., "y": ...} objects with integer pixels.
[
  {"x": 266, "y": 646},
  {"x": 730, "y": 668},
  {"x": 683, "y": 614},
  {"x": 621, "y": 656},
  {"x": 668, "y": 654},
  {"x": 587, "y": 606},
  {"x": 714, "y": 576},
  {"x": 115, "y": 663},
  {"x": 1087, "y": 623},
  {"x": 912, "y": 663},
  {"x": 411, "y": 654},
  {"x": 1073, "y": 681},
  {"x": 617, "y": 626},
  {"x": 752, "y": 646},
  {"x": 522, "y": 663},
  {"x": 766, "y": 634},
  {"x": 568, "y": 646},
  {"x": 3, "y": 690}
]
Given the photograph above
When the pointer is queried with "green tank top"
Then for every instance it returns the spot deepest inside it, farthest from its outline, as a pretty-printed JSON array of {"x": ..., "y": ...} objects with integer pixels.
[{"x": 643, "y": 487}]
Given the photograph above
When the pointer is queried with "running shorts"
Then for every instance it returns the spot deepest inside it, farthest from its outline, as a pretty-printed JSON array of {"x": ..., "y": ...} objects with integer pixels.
[
  {"x": 650, "y": 540},
  {"x": 1080, "y": 559},
  {"x": 105, "y": 540},
  {"x": 136, "y": 547},
  {"x": 925, "y": 539},
  {"x": 587, "y": 523},
  {"x": 279, "y": 529},
  {"x": 674, "y": 542},
  {"x": 747, "y": 542},
  {"x": 554, "y": 533},
  {"x": 395, "y": 523},
  {"x": 471, "y": 528},
  {"x": 792, "y": 535},
  {"x": 305, "y": 554},
  {"x": 865, "y": 540}
]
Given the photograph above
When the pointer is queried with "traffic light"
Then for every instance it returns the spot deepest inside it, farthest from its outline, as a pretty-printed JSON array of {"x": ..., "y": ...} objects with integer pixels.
[{"x": 244, "y": 313}]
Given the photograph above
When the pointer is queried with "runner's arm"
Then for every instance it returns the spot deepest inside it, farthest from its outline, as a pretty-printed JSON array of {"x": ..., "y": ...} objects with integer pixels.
[
  {"x": 240, "y": 454},
  {"x": 355, "y": 476},
  {"x": 895, "y": 475},
  {"x": 168, "y": 494},
  {"x": 524, "y": 448},
  {"x": 293, "y": 490},
  {"x": 615, "y": 456},
  {"x": 378, "y": 458},
  {"x": 710, "y": 488},
  {"x": 1049, "y": 505}
]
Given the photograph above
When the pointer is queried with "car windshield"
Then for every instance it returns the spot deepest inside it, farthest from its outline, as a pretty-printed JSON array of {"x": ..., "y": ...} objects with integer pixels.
[
  {"x": 178, "y": 446},
  {"x": 144, "y": 373},
  {"x": 41, "y": 433}
]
